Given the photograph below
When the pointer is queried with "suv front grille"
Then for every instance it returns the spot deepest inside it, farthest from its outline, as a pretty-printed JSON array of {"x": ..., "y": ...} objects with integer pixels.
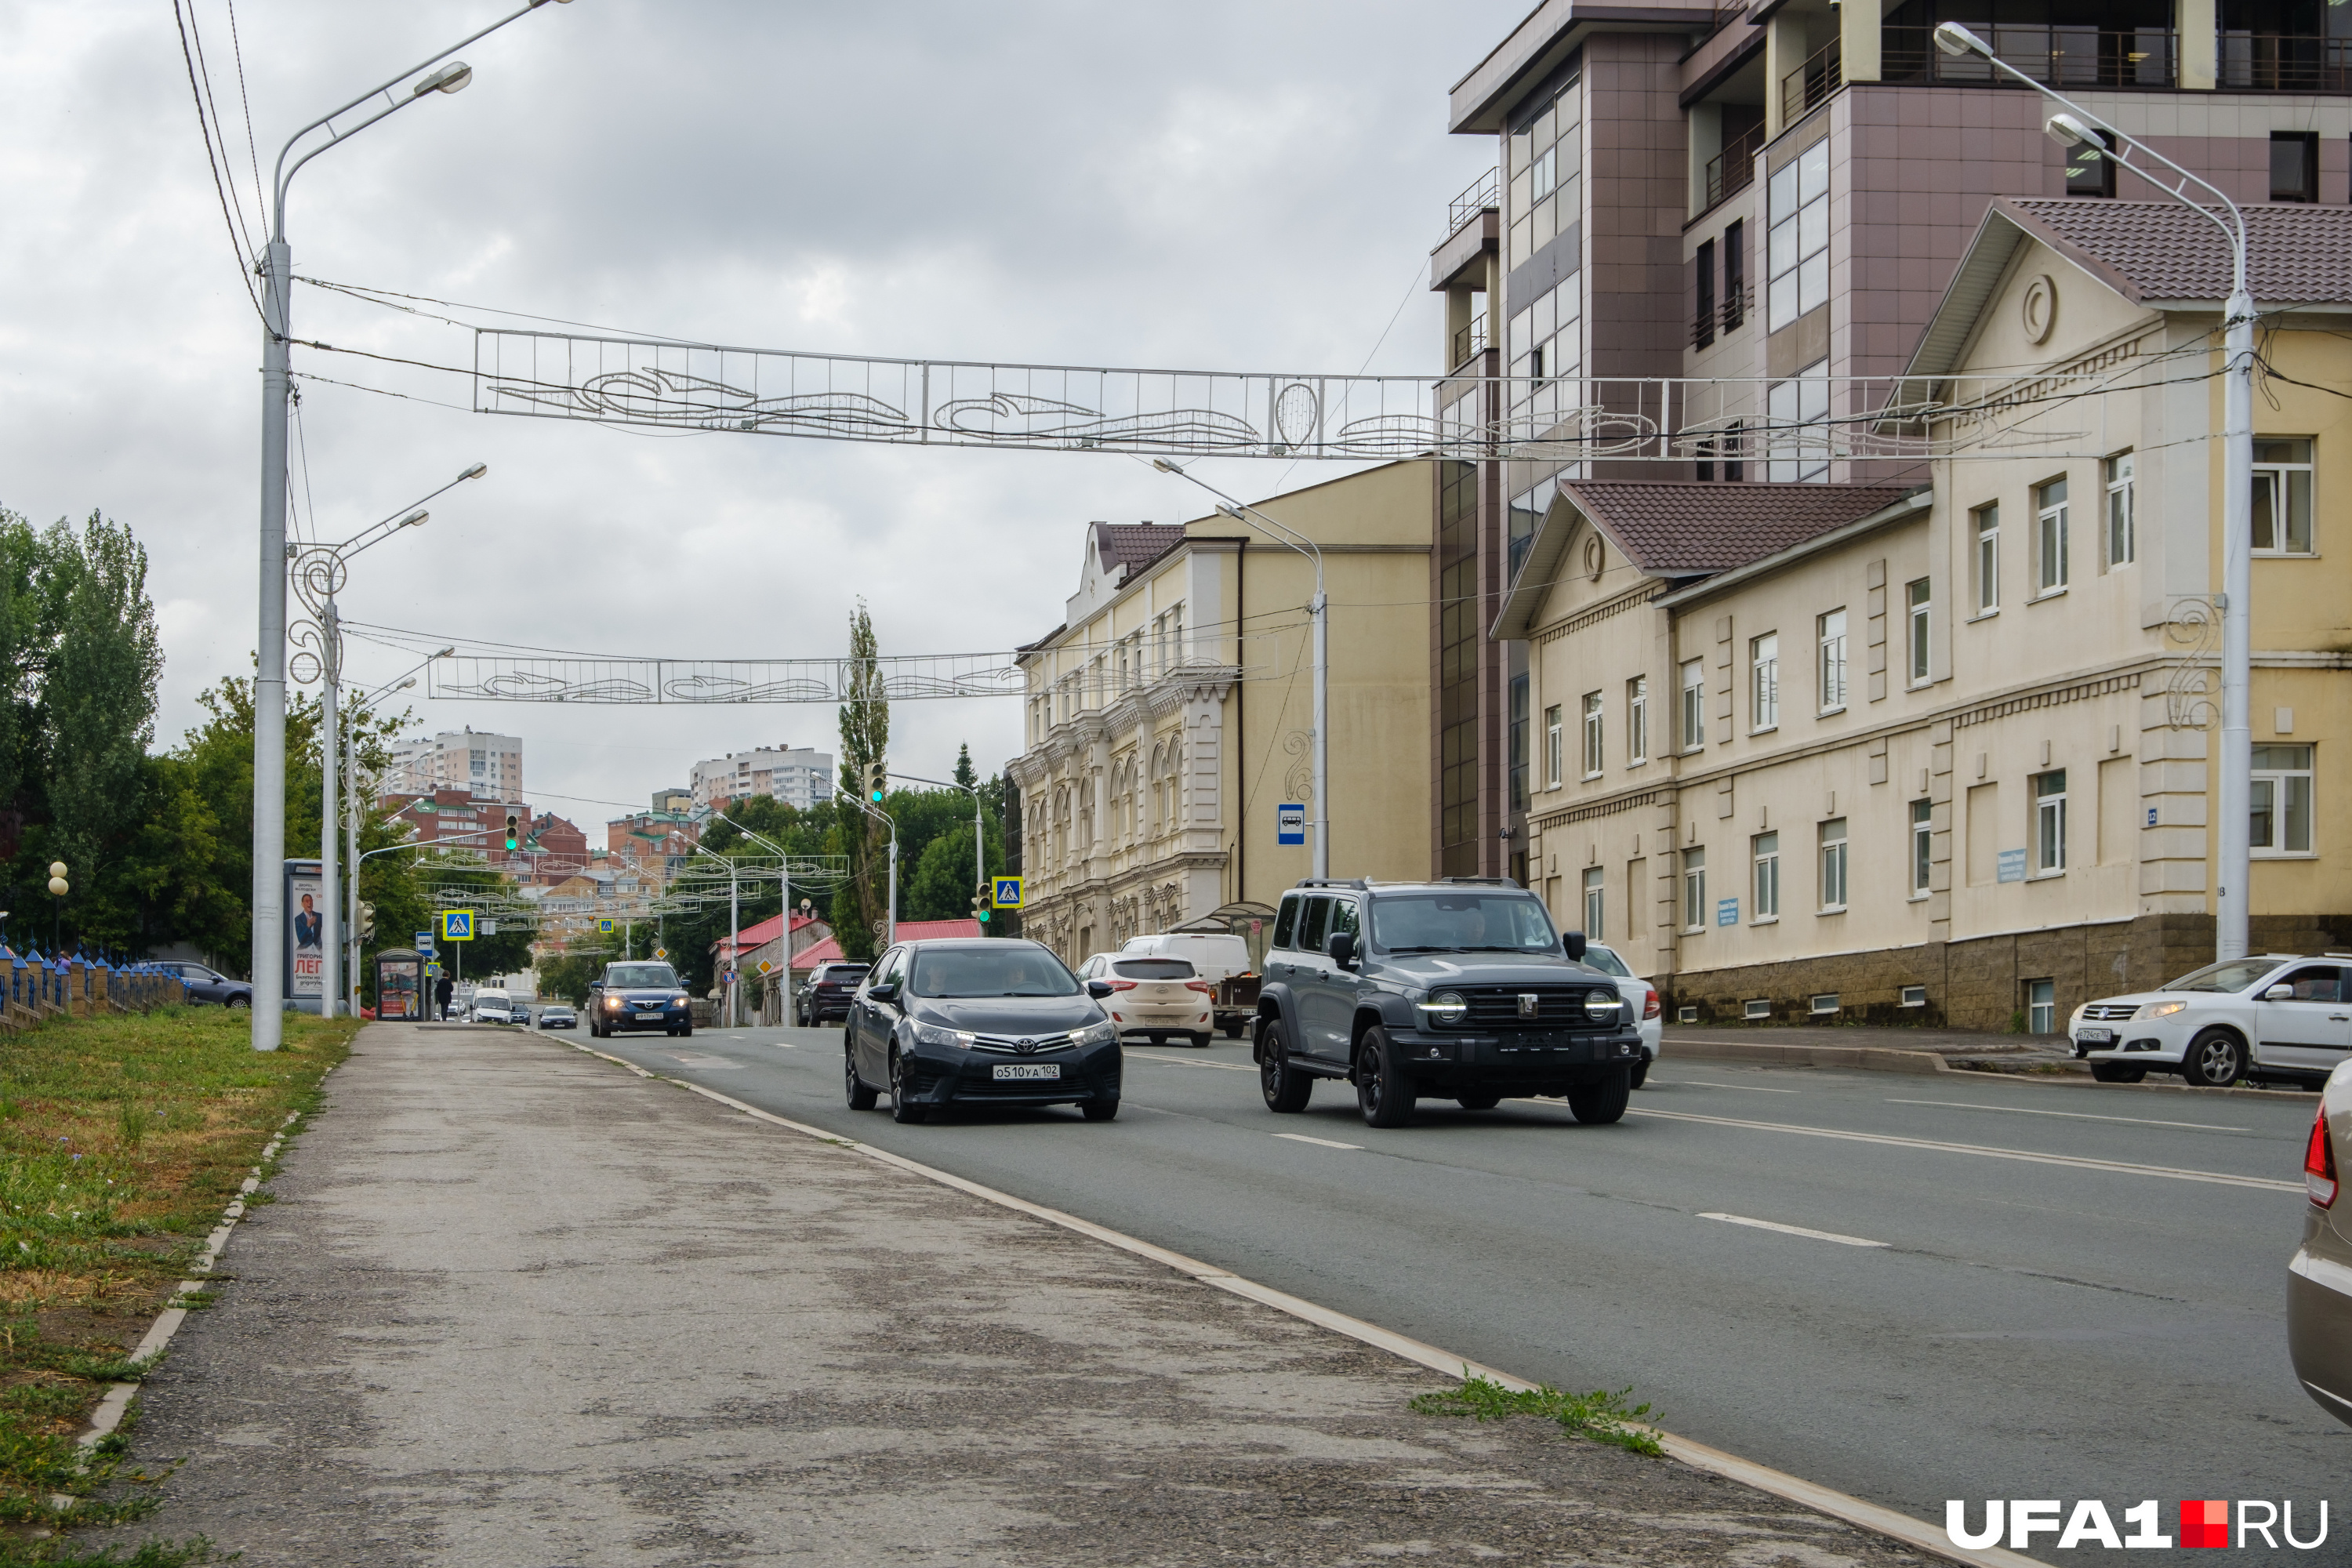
[{"x": 1556, "y": 1007}]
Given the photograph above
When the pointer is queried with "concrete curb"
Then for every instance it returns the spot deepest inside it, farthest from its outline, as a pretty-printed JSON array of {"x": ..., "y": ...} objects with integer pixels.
[
  {"x": 1892, "y": 1058},
  {"x": 116, "y": 1403},
  {"x": 1853, "y": 1511}
]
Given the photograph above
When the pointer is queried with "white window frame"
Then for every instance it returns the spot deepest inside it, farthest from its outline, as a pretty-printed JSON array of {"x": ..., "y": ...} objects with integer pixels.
[
  {"x": 2122, "y": 523},
  {"x": 1797, "y": 237},
  {"x": 1595, "y": 757},
  {"x": 1834, "y": 865},
  {"x": 1695, "y": 910},
  {"x": 1829, "y": 631},
  {"x": 2278, "y": 478},
  {"x": 1694, "y": 704},
  {"x": 1637, "y": 721},
  {"x": 2050, "y": 823},
  {"x": 1796, "y": 443},
  {"x": 1919, "y": 597},
  {"x": 1596, "y": 901},
  {"x": 2275, "y": 786},
  {"x": 1923, "y": 846},
  {"x": 1763, "y": 683},
  {"x": 1764, "y": 855},
  {"x": 1987, "y": 519},
  {"x": 2042, "y": 1006},
  {"x": 2051, "y": 545},
  {"x": 1552, "y": 743}
]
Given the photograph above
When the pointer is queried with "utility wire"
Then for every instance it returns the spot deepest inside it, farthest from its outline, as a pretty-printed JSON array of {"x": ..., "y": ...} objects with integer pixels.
[
  {"x": 204, "y": 126},
  {"x": 237, "y": 49}
]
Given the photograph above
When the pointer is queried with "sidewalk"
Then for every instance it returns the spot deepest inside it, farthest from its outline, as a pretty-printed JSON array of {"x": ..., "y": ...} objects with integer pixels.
[{"x": 514, "y": 1305}]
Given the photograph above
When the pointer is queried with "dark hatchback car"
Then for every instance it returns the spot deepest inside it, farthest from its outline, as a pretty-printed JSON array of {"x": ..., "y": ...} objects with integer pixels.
[
  {"x": 966, "y": 1022},
  {"x": 826, "y": 994},
  {"x": 1460, "y": 989},
  {"x": 638, "y": 995}
]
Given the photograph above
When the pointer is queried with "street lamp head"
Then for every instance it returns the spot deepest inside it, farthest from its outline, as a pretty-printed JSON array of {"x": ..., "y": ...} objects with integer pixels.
[
  {"x": 1165, "y": 467},
  {"x": 476, "y": 473},
  {"x": 2069, "y": 131},
  {"x": 57, "y": 867},
  {"x": 414, "y": 518},
  {"x": 455, "y": 76},
  {"x": 406, "y": 684},
  {"x": 1955, "y": 39},
  {"x": 58, "y": 886}
]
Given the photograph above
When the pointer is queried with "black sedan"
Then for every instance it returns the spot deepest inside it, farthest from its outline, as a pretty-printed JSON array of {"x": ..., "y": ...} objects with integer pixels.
[{"x": 965, "y": 1022}]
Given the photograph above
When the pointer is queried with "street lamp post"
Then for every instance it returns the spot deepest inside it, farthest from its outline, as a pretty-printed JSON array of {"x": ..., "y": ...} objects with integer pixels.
[
  {"x": 352, "y": 807},
  {"x": 270, "y": 675},
  {"x": 1319, "y": 612},
  {"x": 2233, "y": 904},
  {"x": 890, "y": 909},
  {"x": 978, "y": 836}
]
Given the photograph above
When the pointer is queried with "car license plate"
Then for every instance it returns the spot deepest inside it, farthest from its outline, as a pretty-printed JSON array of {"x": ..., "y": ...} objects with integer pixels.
[
  {"x": 2095, "y": 1036},
  {"x": 1028, "y": 1069}
]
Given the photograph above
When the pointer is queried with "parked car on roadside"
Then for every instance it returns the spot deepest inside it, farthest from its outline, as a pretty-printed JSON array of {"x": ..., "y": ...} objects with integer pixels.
[
  {"x": 1220, "y": 960},
  {"x": 1154, "y": 997},
  {"x": 205, "y": 984},
  {"x": 558, "y": 1016},
  {"x": 638, "y": 994},
  {"x": 826, "y": 994},
  {"x": 2319, "y": 1276},
  {"x": 959, "y": 1021},
  {"x": 491, "y": 1006},
  {"x": 2274, "y": 1017},
  {"x": 1460, "y": 989},
  {"x": 1641, "y": 995}
]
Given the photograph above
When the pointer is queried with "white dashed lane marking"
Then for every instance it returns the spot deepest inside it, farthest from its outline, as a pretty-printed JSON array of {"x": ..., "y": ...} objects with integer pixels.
[
  {"x": 1318, "y": 1142},
  {"x": 1793, "y": 1230}
]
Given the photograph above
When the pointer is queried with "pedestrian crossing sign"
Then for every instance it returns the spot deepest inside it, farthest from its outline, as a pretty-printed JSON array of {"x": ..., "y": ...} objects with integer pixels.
[
  {"x": 456, "y": 925},
  {"x": 603, "y": 928},
  {"x": 1008, "y": 893}
]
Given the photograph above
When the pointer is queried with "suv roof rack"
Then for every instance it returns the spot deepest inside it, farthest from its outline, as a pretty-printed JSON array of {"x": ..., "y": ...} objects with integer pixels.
[
  {"x": 1488, "y": 881},
  {"x": 1356, "y": 882}
]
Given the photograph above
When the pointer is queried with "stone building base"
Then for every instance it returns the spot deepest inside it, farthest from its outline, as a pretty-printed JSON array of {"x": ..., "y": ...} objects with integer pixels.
[{"x": 1981, "y": 982}]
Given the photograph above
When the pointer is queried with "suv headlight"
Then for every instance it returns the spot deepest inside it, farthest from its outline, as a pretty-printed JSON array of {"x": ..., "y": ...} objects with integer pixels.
[
  {"x": 1443, "y": 1007},
  {"x": 932, "y": 1034},
  {"x": 1601, "y": 1005},
  {"x": 1103, "y": 1034},
  {"x": 2158, "y": 1010}
]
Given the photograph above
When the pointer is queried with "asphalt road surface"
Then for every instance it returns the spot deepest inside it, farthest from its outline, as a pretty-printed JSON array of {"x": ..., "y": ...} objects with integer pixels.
[{"x": 1910, "y": 1288}]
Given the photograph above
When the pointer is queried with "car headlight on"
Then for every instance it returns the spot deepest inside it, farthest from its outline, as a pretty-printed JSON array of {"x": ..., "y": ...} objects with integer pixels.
[
  {"x": 1444, "y": 1007},
  {"x": 614, "y": 1002},
  {"x": 1103, "y": 1034},
  {"x": 678, "y": 1000},
  {"x": 932, "y": 1034},
  {"x": 1601, "y": 1005},
  {"x": 2158, "y": 1010}
]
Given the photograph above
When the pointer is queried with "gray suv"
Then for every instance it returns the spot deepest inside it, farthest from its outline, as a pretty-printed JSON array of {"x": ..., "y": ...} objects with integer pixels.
[{"x": 1459, "y": 989}]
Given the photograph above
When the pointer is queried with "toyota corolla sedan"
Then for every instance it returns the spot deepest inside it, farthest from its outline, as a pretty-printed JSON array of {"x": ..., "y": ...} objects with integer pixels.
[
  {"x": 2319, "y": 1277},
  {"x": 970, "y": 1022}
]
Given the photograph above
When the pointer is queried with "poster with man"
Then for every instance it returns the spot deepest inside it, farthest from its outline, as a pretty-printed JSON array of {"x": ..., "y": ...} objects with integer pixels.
[{"x": 306, "y": 952}]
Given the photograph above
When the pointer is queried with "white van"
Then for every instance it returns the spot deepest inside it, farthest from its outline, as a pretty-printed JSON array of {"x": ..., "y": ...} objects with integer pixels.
[
  {"x": 493, "y": 1008},
  {"x": 1216, "y": 959}
]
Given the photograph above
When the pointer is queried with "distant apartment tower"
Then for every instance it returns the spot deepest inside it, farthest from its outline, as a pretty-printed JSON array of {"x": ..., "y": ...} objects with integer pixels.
[
  {"x": 674, "y": 799},
  {"x": 1773, "y": 198},
  {"x": 799, "y": 777},
  {"x": 487, "y": 766}
]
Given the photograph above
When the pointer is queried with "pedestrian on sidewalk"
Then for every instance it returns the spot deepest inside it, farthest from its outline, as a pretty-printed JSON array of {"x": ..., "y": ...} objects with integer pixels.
[{"x": 441, "y": 992}]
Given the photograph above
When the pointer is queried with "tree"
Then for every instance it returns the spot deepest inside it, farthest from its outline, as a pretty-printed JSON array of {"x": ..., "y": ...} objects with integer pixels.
[
  {"x": 859, "y": 907},
  {"x": 965, "y": 773},
  {"x": 99, "y": 694}
]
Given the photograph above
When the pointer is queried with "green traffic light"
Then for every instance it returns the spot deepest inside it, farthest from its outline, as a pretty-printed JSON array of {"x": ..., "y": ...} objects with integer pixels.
[{"x": 983, "y": 916}]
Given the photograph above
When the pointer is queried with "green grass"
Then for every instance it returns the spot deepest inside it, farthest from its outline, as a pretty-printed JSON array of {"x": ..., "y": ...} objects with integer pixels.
[
  {"x": 122, "y": 1140},
  {"x": 56, "y": 1552},
  {"x": 1600, "y": 1415}
]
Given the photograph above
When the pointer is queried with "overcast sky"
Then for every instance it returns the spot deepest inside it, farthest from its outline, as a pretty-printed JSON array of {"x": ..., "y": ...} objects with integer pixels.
[{"x": 1215, "y": 185}]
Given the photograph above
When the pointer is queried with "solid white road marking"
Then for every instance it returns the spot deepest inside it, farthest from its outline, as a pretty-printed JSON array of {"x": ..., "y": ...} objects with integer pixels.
[
  {"x": 2073, "y": 1115},
  {"x": 1321, "y": 1142},
  {"x": 1192, "y": 1061},
  {"x": 1748, "y": 1088},
  {"x": 1793, "y": 1230},
  {"x": 1983, "y": 1151}
]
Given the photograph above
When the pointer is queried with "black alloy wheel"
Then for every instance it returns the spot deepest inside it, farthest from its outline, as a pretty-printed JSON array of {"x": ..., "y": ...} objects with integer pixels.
[
  {"x": 1384, "y": 1093},
  {"x": 1477, "y": 1102},
  {"x": 2117, "y": 1072},
  {"x": 1285, "y": 1087},
  {"x": 2216, "y": 1058},
  {"x": 1101, "y": 1108},
  {"x": 1599, "y": 1104},
  {"x": 902, "y": 1091},
  {"x": 862, "y": 1094}
]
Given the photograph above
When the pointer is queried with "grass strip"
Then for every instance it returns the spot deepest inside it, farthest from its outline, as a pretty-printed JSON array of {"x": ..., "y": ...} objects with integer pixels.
[
  {"x": 122, "y": 1140},
  {"x": 1600, "y": 1415}
]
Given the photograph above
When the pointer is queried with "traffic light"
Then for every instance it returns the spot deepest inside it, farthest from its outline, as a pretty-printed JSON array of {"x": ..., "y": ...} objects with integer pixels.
[
  {"x": 877, "y": 776},
  {"x": 367, "y": 923},
  {"x": 514, "y": 839},
  {"x": 981, "y": 906}
]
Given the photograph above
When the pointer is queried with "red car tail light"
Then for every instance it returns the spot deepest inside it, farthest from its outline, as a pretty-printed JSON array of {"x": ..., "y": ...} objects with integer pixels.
[
  {"x": 1123, "y": 984},
  {"x": 1203, "y": 986},
  {"x": 2320, "y": 1163},
  {"x": 1650, "y": 1004}
]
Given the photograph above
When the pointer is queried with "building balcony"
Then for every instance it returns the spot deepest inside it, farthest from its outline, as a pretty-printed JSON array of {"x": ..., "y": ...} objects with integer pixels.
[
  {"x": 2061, "y": 57},
  {"x": 1733, "y": 170},
  {"x": 1469, "y": 341},
  {"x": 1484, "y": 194}
]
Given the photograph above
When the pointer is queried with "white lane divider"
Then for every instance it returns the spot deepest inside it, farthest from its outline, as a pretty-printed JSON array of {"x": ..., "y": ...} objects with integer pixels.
[
  {"x": 1743, "y": 1088},
  {"x": 1983, "y": 1151},
  {"x": 1318, "y": 1142},
  {"x": 2072, "y": 1115},
  {"x": 1193, "y": 1062},
  {"x": 1794, "y": 1230}
]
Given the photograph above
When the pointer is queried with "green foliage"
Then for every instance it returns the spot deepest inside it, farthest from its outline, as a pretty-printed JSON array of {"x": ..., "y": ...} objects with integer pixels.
[
  {"x": 566, "y": 977},
  {"x": 859, "y": 907},
  {"x": 1600, "y": 1415},
  {"x": 57, "y": 1551}
]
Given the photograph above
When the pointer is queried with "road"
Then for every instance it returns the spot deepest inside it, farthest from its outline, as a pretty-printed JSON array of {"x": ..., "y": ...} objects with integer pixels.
[{"x": 2017, "y": 1291}]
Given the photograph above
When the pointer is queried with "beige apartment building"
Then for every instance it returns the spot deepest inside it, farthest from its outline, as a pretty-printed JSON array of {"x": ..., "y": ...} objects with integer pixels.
[
  {"x": 1944, "y": 748},
  {"x": 1172, "y": 712}
]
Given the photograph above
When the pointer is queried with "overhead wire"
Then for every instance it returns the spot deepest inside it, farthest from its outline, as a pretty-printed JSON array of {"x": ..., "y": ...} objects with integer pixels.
[{"x": 204, "y": 126}]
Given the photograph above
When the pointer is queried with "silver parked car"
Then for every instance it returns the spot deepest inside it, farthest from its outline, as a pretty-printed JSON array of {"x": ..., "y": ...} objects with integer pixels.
[
  {"x": 2319, "y": 1276},
  {"x": 1640, "y": 995}
]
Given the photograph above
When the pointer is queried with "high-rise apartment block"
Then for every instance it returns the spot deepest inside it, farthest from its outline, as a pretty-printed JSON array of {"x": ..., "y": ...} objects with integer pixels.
[
  {"x": 799, "y": 777},
  {"x": 487, "y": 766}
]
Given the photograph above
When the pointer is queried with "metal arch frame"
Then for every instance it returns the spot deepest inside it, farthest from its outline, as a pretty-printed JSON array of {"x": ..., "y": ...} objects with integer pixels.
[{"x": 700, "y": 682}]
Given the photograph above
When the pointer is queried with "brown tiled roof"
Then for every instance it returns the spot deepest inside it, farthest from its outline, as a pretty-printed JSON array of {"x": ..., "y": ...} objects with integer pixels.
[
  {"x": 2298, "y": 253},
  {"x": 1133, "y": 543},
  {"x": 1680, "y": 527}
]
